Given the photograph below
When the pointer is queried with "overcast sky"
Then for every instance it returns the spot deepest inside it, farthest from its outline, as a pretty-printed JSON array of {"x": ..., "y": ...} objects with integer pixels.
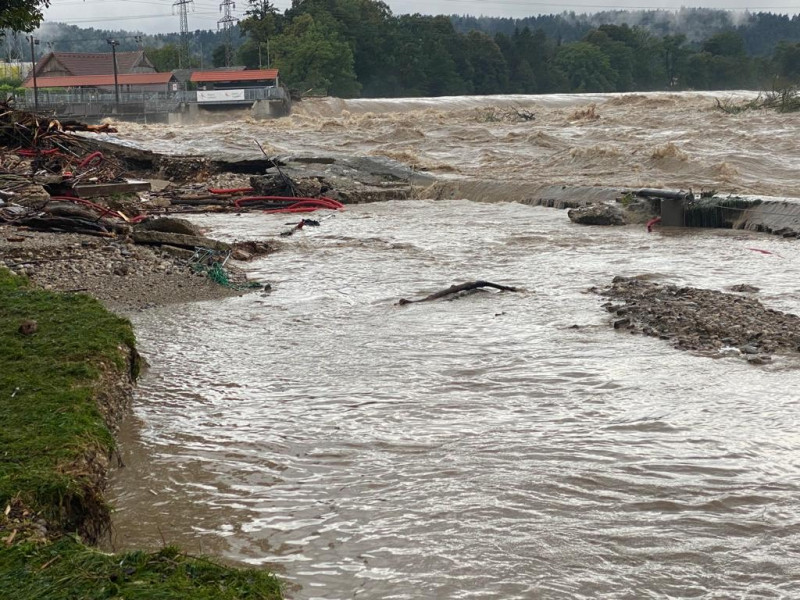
[{"x": 158, "y": 16}]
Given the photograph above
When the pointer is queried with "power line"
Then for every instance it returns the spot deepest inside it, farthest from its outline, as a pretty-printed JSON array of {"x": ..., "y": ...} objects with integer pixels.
[{"x": 227, "y": 22}]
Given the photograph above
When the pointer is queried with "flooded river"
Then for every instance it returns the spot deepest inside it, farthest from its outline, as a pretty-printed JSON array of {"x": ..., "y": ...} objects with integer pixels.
[{"x": 500, "y": 445}]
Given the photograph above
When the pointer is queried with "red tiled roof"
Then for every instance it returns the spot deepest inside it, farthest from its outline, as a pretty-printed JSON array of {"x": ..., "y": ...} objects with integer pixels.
[
  {"x": 254, "y": 75},
  {"x": 100, "y": 80},
  {"x": 86, "y": 63}
]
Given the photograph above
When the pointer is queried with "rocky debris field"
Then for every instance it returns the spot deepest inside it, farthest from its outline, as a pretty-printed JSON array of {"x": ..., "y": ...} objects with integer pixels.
[
  {"x": 703, "y": 321},
  {"x": 123, "y": 275}
]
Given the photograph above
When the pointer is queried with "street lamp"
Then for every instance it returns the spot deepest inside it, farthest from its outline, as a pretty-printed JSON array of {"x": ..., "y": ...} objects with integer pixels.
[
  {"x": 33, "y": 41},
  {"x": 114, "y": 44}
]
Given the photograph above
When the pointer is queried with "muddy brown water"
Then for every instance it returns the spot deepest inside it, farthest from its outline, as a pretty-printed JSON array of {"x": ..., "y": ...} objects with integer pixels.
[{"x": 499, "y": 445}]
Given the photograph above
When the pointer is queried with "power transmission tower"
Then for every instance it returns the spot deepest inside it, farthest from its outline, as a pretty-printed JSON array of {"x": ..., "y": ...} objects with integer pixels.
[
  {"x": 183, "y": 54},
  {"x": 227, "y": 22}
]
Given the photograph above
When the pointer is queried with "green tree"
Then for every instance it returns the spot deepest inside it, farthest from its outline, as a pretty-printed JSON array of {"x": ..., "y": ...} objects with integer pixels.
[
  {"x": 585, "y": 67},
  {"x": 726, "y": 43},
  {"x": 489, "y": 68},
  {"x": 22, "y": 15},
  {"x": 620, "y": 58},
  {"x": 252, "y": 55},
  {"x": 312, "y": 56},
  {"x": 535, "y": 49},
  {"x": 164, "y": 59},
  {"x": 675, "y": 56},
  {"x": 786, "y": 61},
  {"x": 261, "y": 23},
  {"x": 218, "y": 56}
]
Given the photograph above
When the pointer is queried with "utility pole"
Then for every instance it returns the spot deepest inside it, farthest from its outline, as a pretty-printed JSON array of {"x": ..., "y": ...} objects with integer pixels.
[
  {"x": 33, "y": 41},
  {"x": 184, "y": 17},
  {"x": 227, "y": 22},
  {"x": 260, "y": 44},
  {"x": 114, "y": 44}
]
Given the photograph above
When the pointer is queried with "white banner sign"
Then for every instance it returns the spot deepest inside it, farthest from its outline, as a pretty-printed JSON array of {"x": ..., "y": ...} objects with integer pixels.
[{"x": 220, "y": 95}]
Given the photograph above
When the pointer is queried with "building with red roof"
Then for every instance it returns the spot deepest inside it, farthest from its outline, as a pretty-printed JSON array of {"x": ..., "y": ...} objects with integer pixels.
[{"x": 74, "y": 64}]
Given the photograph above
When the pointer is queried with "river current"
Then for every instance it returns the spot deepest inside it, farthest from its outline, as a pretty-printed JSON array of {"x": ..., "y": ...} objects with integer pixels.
[{"x": 499, "y": 445}]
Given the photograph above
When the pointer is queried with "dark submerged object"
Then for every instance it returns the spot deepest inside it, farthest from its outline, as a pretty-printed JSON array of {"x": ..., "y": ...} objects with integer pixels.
[{"x": 464, "y": 287}]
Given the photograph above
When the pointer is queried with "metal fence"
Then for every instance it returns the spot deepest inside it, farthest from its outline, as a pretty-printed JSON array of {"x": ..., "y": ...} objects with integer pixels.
[{"x": 95, "y": 102}]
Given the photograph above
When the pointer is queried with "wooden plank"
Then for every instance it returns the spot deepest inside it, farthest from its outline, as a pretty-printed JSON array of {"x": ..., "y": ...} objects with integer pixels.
[{"x": 95, "y": 190}]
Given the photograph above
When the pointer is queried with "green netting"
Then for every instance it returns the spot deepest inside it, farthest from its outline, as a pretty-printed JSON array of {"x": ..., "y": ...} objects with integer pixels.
[{"x": 205, "y": 261}]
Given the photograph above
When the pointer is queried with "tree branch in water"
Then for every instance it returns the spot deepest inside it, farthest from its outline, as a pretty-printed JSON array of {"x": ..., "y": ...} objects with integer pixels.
[{"x": 464, "y": 287}]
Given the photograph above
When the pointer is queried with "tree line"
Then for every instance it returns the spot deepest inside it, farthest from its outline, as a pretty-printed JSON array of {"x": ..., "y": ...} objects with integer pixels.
[
  {"x": 359, "y": 48},
  {"x": 352, "y": 48}
]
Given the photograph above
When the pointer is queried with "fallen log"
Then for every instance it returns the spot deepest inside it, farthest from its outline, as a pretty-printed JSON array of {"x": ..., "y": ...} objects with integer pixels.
[{"x": 464, "y": 287}]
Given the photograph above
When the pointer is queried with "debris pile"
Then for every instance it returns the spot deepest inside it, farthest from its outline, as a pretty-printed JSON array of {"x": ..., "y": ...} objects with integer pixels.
[
  {"x": 704, "y": 321},
  {"x": 48, "y": 174}
]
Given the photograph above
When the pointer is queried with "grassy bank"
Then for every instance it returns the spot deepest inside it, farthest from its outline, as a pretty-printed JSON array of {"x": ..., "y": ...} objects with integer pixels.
[{"x": 66, "y": 366}]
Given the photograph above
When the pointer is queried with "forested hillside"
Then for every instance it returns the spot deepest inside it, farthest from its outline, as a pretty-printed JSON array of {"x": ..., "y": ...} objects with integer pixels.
[
  {"x": 359, "y": 48},
  {"x": 761, "y": 31}
]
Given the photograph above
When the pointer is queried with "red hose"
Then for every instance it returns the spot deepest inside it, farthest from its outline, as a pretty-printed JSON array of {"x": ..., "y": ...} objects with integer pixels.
[
  {"x": 34, "y": 152},
  {"x": 245, "y": 190},
  {"x": 652, "y": 222},
  {"x": 305, "y": 205},
  {"x": 293, "y": 209},
  {"x": 322, "y": 202},
  {"x": 92, "y": 158}
]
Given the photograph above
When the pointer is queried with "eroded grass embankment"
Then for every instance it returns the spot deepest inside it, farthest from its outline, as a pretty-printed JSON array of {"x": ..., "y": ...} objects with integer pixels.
[{"x": 64, "y": 382}]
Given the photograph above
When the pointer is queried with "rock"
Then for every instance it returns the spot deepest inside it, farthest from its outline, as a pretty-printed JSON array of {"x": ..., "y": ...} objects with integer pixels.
[
  {"x": 239, "y": 254},
  {"x": 749, "y": 349},
  {"x": 179, "y": 240},
  {"x": 621, "y": 323},
  {"x": 170, "y": 225},
  {"x": 255, "y": 249},
  {"x": 271, "y": 185},
  {"x": 743, "y": 287},
  {"x": 180, "y": 253},
  {"x": 761, "y": 359},
  {"x": 28, "y": 327},
  {"x": 597, "y": 214}
]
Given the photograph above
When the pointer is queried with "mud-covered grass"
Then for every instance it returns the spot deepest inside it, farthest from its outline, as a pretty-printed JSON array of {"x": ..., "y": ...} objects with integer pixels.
[
  {"x": 68, "y": 570},
  {"x": 49, "y": 419}
]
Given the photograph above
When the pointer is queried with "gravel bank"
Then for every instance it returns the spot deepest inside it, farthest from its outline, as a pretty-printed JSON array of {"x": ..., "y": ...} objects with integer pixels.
[
  {"x": 125, "y": 277},
  {"x": 703, "y": 321}
]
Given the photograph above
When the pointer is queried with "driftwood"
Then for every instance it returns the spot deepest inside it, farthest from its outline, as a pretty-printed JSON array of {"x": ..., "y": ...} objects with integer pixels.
[{"x": 464, "y": 287}]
